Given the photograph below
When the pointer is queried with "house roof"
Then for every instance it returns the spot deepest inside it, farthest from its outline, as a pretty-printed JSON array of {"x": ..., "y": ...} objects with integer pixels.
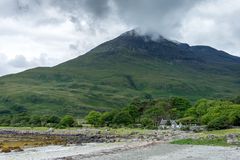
[{"x": 163, "y": 122}]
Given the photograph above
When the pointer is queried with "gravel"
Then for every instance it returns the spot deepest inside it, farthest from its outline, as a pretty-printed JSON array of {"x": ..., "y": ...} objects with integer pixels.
[
  {"x": 126, "y": 151},
  {"x": 174, "y": 152}
]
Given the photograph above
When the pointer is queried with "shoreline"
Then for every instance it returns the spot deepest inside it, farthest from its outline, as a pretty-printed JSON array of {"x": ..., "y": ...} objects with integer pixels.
[
  {"x": 101, "y": 143},
  {"x": 122, "y": 150},
  {"x": 116, "y": 150},
  {"x": 59, "y": 152},
  {"x": 26, "y": 138}
]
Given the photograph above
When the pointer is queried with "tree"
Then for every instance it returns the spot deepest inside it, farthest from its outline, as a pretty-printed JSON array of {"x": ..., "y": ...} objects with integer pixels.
[
  {"x": 134, "y": 112},
  {"x": 221, "y": 122},
  {"x": 236, "y": 100},
  {"x": 234, "y": 116},
  {"x": 122, "y": 118},
  {"x": 93, "y": 118},
  {"x": 107, "y": 118},
  {"x": 53, "y": 119},
  {"x": 147, "y": 122},
  {"x": 155, "y": 113},
  {"x": 67, "y": 121},
  {"x": 35, "y": 120},
  {"x": 181, "y": 104}
]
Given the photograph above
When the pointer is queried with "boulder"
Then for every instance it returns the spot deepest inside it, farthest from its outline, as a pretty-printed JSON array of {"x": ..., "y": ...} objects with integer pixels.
[
  {"x": 232, "y": 139},
  {"x": 211, "y": 136}
]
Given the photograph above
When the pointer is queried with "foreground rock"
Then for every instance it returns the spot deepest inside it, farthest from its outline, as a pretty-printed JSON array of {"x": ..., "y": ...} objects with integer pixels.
[{"x": 233, "y": 139}]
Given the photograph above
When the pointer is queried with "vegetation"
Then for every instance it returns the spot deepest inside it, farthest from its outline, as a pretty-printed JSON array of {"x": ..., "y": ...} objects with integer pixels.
[
  {"x": 147, "y": 113},
  {"x": 24, "y": 120},
  {"x": 203, "y": 141},
  {"x": 144, "y": 112},
  {"x": 220, "y": 133},
  {"x": 216, "y": 114},
  {"x": 212, "y": 138}
]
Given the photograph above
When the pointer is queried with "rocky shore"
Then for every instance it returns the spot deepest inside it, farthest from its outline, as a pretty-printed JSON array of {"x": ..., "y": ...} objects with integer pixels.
[
  {"x": 107, "y": 143},
  {"x": 12, "y": 139},
  {"x": 99, "y": 136}
]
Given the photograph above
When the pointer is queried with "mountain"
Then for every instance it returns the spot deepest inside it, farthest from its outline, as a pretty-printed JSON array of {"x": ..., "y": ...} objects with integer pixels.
[{"x": 115, "y": 72}]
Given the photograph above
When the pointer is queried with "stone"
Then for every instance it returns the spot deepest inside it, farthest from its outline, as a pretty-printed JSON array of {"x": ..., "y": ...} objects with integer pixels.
[
  {"x": 211, "y": 136},
  {"x": 6, "y": 150},
  {"x": 232, "y": 139}
]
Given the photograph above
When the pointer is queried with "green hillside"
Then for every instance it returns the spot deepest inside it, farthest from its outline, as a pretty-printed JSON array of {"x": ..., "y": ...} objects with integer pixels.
[{"x": 117, "y": 71}]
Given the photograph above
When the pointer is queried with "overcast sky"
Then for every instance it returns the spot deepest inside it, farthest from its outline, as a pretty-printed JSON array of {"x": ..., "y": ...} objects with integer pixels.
[{"x": 47, "y": 32}]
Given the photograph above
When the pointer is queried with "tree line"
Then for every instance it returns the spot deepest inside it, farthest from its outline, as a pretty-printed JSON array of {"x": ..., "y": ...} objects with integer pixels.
[
  {"x": 147, "y": 113},
  {"x": 141, "y": 112},
  {"x": 25, "y": 120}
]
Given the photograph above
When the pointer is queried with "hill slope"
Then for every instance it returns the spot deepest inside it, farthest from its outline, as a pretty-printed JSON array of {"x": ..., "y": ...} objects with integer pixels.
[{"x": 118, "y": 70}]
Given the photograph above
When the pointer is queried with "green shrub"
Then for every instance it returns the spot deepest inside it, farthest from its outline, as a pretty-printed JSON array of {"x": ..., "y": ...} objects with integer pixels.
[
  {"x": 221, "y": 122},
  {"x": 67, "y": 121},
  {"x": 35, "y": 120},
  {"x": 122, "y": 118},
  {"x": 107, "y": 118},
  {"x": 147, "y": 123},
  {"x": 187, "y": 120},
  {"x": 93, "y": 118}
]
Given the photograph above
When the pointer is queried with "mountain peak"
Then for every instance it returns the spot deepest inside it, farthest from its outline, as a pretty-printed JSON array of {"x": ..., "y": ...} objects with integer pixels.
[
  {"x": 153, "y": 45},
  {"x": 146, "y": 36}
]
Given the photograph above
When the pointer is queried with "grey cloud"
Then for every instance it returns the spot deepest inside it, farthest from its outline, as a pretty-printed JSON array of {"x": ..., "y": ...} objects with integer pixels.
[
  {"x": 71, "y": 27},
  {"x": 16, "y": 8},
  {"x": 163, "y": 16},
  {"x": 19, "y": 62},
  {"x": 96, "y": 8},
  {"x": 5, "y": 68}
]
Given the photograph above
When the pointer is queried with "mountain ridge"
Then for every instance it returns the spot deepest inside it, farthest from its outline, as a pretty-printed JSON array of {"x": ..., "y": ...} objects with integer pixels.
[{"x": 113, "y": 73}]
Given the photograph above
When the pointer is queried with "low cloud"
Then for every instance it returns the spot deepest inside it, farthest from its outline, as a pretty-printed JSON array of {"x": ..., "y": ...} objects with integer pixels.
[
  {"x": 19, "y": 62},
  {"x": 65, "y": 29}
]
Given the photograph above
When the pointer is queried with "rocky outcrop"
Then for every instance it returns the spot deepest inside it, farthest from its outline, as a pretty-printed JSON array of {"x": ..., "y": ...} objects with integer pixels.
[{"x": 233, "y": 139}]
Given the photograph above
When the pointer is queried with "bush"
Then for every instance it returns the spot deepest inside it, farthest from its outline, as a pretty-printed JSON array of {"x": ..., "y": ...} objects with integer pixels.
[
  {"x": 53, "y": 119},
  {"x": 147, "y": 123},
  {"x": 35, "y": 121},
  {"x": 234, "y": 117},
  {"x": 187, "y": 120},
  {"x": 67, "y": 121},
  {"x": 122, "y": 118},
  {"x": 93, "y": 118},
  {"x": 221, "y": 122},
  {"x": 181, "y": 105},
  {"x": 236, "y": 100},
  {"x": 107, "y": 118}
]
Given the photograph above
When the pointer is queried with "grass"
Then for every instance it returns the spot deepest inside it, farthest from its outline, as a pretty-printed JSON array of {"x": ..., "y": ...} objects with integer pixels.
[
  {"x": 25, "y": 128},
  {"x": 202, "y": 139},
  {"x": 126, "y": 131},
  {"x": 221, "y": 132},
  {"x": 212, "y": 142}
]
